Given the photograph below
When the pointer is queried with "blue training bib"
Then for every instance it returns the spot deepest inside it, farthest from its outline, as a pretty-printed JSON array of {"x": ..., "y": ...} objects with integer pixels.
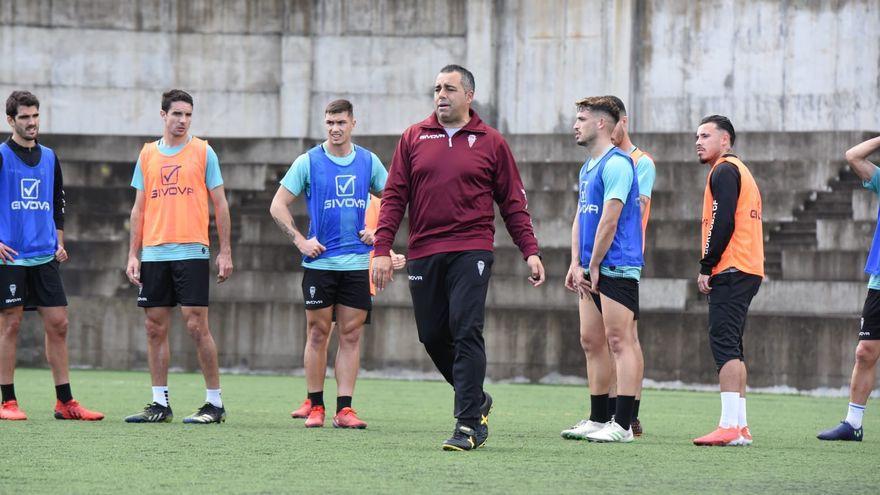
[{"x": 27, "y": 206}]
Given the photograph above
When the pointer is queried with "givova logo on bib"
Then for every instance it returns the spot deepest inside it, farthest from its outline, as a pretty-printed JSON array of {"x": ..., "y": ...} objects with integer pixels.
[
  {"x": 345, "y": 189},
  {"x": 30, "y": 197},
  {"x": 583, "y": 207}
]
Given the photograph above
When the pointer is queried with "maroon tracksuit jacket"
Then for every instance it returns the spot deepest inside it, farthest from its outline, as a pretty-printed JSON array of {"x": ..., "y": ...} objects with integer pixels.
[{"x": 449, "y": 185}]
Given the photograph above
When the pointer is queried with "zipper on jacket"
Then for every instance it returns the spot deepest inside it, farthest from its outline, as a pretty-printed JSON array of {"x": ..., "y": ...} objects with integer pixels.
[{"x": 450, "y": 141}]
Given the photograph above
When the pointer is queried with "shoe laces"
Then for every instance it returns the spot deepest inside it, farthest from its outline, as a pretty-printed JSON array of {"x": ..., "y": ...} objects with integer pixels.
[
  {"x": 581, "y": 423},
  {"x": 206, "y": 408}
]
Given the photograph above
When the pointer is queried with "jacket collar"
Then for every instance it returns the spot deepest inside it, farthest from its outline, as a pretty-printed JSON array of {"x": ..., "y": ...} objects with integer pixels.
[{"x": 475, "y": 125}]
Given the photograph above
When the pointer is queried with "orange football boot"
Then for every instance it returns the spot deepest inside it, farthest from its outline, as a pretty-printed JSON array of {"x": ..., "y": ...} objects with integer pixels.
[
  {"x": 72, "y": 410},
  {"x": 347, "y": 418},
  {"x": 303, "y": 411},
  {"x": 316, "y": 417},
  {"x": 9, "y": 410},
  {"x": 720, "y": 437}
]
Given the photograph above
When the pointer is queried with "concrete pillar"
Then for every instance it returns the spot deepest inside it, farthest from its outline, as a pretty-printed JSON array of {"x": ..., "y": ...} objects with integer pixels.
[{"x": 480, "y": 58}]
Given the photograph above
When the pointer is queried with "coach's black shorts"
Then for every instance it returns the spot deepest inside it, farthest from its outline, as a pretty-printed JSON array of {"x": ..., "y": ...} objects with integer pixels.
[
  {"x": 870, "y": 324},
  {"x": 169, "y": 283},
  {"x": 325, "y": 288},
  {"x": 619, "y": 289},
  {"x": 729, "y": 302},
  {"x": 32, "y": 286}
]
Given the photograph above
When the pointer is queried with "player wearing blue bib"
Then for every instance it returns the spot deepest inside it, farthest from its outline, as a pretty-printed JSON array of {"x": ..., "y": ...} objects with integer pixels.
[
  {"x": 31, "y": 249},
  {"x": 605, "y": 270},
  {"x": 337, "y": 177},
  {"x": 868, "y": 350}
]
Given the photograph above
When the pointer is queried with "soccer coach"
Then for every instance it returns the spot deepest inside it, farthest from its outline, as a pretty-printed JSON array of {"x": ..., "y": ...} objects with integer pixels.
[{"x": 449, "y": 168}]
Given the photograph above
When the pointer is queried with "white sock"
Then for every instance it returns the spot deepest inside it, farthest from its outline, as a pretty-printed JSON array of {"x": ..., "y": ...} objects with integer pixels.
[
  {"x": 160, "y": 395},
  {"x": 742, "y": 423},
  {"x": 729, "y": 409},
  {"x": 854, "y": 415},
  {"x": 213, "y": 396}
]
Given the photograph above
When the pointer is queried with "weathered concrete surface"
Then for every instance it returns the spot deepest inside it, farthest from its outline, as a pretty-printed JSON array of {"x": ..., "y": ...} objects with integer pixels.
[{"x": 267, "y": 68}]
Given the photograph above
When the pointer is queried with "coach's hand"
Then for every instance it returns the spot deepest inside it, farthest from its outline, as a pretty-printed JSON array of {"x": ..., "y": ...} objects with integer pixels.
[
  {"x": 311, "y": 247},
  {"x": 537, "y": 269},
  {"x": 593, "y": 284},
  {"x": 383, "y": 272},
  {"x": 367, "y": 236},
  {"x": 398, "y": 261},
  {"x": 224, "y": 266},
  {"x": 703, "y": 283},
  {"x": 133, "y": 270},
  {"x": 7, "y": 254},
  {"x": 61, "y": 254}
]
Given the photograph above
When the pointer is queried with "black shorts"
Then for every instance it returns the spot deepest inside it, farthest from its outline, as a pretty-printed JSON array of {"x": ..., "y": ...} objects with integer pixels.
[
  {"x": 618, "y": 289},
  {"x": 325, "y": 288},
  {"x": 729, "y": 302},
  {"x": 32, "y": 286},
  {"x": 169, "y": 283},
  {"x": 869, "y": 329}
]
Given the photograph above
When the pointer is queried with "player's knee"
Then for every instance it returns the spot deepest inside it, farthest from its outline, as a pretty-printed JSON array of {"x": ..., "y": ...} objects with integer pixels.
[
  {"x": 155, "y": 330},
  {"x": 197, "y": 328},
  {"x": 318, "y": 335},
  {"x": 867, "y": 353},
  {"x": 57, "y": 327},
  {"x": 350, "y": 336},
  {"x": 11, "y": 325},
  {"x": 591, "y": 343}
]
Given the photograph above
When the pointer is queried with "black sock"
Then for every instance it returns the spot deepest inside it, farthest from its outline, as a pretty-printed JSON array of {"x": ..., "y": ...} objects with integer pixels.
[
  {"x": 342, "y": 402},
  {"x": 599, "y": 408},
  {"x": 317, "y": 398},
  {"x": 624, "y": 413},
  {"x": 636, "y": 409},
  {"x": 63, "y": 393},
  {"x": 8, "y": 392},
  {"x": 612, "y": 404}
]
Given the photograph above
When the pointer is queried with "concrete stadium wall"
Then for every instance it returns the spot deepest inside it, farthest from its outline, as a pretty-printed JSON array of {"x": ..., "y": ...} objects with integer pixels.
[{"x": 266, "y": 68}]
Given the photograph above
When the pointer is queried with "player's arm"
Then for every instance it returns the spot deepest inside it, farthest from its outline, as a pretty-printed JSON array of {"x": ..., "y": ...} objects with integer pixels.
[
  {"x": 857, "y": 156},
  {"x": 280, "y": 211},
  {"x": 58, "y": 213},
  {"x": 574, "y": 279},
  {"x": 611, "y": 210},
  {"x": 136, "y": 238},
  {"x": 224, "y": 226}
]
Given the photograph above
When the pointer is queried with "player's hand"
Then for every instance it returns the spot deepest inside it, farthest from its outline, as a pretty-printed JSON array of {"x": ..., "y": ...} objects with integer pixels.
[
  {"x": 382, "y": 271},
  {"x": 7, "y": 254},
  {"x": 61, "y": 254},
  {"x": 569, "y": 279},
  {"x": 367, "y": 236},
  {"x": 592, "y": 285},
  {"x": 703, "y": 283},
  {"x": 398, "y": 261},
  {"x": 311, "y": 247},
  {"x": 224, "y": 266},
  {"x": 133, "y": 270},
  {"x": 537, "y": 269}
]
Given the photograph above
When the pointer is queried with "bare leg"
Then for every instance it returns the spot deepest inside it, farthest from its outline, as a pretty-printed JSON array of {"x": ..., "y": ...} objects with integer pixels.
[
  {"x": 158, "y": 321},
  {"x": 196, "y": 319},
  {"x": 350, "y": 322},
  {"x": 618, "y": 330},
  {"x": 731, "y": 376},
  {"x": 10, "y": 322},
  {"x": 317, "y": 338},
  {"x": 55, "y": 325},
  {"x": 595, "y": 347},
  {"x": 864, "y": 371}
]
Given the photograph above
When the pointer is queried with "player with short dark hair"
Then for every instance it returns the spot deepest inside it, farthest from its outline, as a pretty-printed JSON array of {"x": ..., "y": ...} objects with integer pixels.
[
  {"x": 868, "y": 350},
  {"x": 449, "y": 170},
  {"x": 31, "y": 251},
  {"x": 336, "y": 177},
  {"x": 175, "y": 178},
  {"x": 605, "y": 269},
  {"x": 731, "y": 269}
]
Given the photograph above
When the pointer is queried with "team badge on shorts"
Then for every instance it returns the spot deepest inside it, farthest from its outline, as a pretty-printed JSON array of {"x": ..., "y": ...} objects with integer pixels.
[
  {"x": 12, "y": 288},
  {"x": 480, "y": 266},
  {"x": 312, "y": 292}
]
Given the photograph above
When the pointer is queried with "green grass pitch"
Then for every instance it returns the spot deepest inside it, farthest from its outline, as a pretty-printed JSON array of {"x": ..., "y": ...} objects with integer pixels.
[{"x": 261, "y": 449}]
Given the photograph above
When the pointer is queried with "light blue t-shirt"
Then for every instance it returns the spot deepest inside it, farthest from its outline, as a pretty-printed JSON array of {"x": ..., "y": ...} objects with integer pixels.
[
  {"x": 617, "y": 177},
  {"x": 175, "y": 251},
  {"x": 297, "y": 180},
  {"x": 646, "y": 172},
  {"x": 873, "y": 185}
]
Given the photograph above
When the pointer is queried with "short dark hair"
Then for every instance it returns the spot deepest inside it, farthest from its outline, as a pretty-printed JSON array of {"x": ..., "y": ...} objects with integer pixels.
[
  {"x": 339, "y": 106},
  {"x": 600, "y": 104},
  {"x": 173, "y": 95},
  {"x": 617, "y": 101},
  {"x": 467, "y": 79},
  {"x": 722, "y": 123},
  {"x": 20, "y": 99}
]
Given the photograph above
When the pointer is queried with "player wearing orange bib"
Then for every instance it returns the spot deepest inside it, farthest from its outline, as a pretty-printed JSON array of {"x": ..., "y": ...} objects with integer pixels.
[{"x": 175, "y": 178}]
